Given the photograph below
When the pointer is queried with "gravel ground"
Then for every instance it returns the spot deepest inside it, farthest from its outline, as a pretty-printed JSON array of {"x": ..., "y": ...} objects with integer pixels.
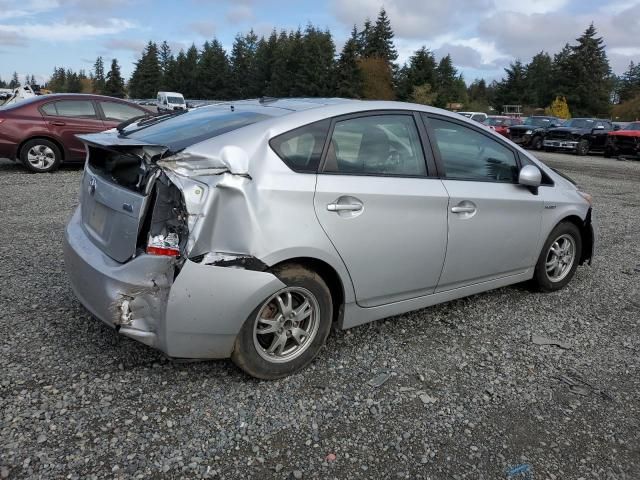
[{"x": 469, "y": 394}]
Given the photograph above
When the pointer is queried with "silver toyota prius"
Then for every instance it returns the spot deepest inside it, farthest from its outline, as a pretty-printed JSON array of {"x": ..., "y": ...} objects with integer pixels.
[{"x": 247, "y": 229}]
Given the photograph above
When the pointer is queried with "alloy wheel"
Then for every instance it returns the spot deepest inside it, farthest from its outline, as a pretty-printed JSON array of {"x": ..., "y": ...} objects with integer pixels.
[
  {"x": 41, "y": 157},
  {"x": 286, "y": 324},
  {"x": 560, "y": 257}
]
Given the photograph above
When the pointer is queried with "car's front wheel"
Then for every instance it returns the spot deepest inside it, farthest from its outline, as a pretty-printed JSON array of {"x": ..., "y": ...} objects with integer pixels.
[
  {"x": 559, "y": 258},
  {"x": 583, "y": 147},
  {"x": 40, "y": 155},
  {"x": 288, "y": 329},
  {"x": 536, "y": 143}
]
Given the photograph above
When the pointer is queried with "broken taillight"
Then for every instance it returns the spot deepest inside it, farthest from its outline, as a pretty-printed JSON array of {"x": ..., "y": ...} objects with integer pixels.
[{"x": 166, "y": 245}]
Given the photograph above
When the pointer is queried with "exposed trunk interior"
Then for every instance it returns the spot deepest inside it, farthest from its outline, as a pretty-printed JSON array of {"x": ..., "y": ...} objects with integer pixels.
[{"x": 126, "y": 200}]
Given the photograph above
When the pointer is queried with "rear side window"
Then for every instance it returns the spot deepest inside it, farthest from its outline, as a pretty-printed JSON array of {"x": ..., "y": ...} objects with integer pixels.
[
  {"x": 301, "y": 148},
  {"x": 376, "y": 145},
  {"x": 186, "y": 129},
  {"x": 470, "y": 155},
  {"x": 119, "y": 111},
  {"x": 71, "y": 108}
]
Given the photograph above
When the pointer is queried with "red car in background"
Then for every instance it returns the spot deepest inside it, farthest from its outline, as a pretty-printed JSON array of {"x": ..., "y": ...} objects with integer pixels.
[
  {"x": 623, "y": 142},
  {"x": 41, "y": 131},
  {"x": 501, "y": 123}
]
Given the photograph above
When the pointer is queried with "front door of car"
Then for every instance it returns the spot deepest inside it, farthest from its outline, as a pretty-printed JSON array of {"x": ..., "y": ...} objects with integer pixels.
[
  {"x": 386, "y": 218},
  {"x": 68, "y": 118},
  {"x": 599, "y": 134},
  {"x": 494, "y": 223}
]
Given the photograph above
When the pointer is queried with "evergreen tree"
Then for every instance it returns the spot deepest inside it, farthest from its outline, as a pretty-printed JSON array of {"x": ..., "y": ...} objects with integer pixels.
[
  {"x": 591, "y": 75},
  {"x": 364, "y": 37},
  {"x": 72, "y": 83},
  {"x": 380, "y": 40},
  {"x": 558, "y": 108},
  {"x": 420, "y": 71},
  {"x": 314, "y": 76},
  {"x": 189, "y": 77},
  {"x": 266, "y": 52},
  {"x": 243, "y": 73},
  {"x": 286, "y": 60},
  {"x": 3, "y": 84},
  {"x": 448, "y": 83},
  {"x": 114, "y": 85},
  {"x": 213, "y": 71},
  {"x": 98, "y": 76},
  {"x": 513, "y": 90},
  {"x": 167, "y": 67},
  {"x": 478, "y": 96},
  {"x": 539, "y": 80},
  {"x": 15, "y": 81},
  {"x": 629, "y": 83},
  {"x": 348, "y": 74},
  {"x": 57, "y": 81},
  {"x": 147, "y": 76},
  {"x": 177, "y": 72}
]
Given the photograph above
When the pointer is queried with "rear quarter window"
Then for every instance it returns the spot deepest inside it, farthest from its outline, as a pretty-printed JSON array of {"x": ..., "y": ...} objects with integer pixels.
[{"x": 301, "y": 149}]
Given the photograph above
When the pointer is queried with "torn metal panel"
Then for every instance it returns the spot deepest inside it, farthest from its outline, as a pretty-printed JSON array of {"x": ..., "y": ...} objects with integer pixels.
[{"x": 221, "y": 259}]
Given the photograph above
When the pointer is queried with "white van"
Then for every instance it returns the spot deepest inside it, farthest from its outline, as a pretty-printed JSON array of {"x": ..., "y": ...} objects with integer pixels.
[{"x": 169, "y": 101}]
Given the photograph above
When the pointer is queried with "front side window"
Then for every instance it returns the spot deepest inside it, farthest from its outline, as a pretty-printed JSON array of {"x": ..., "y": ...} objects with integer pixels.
[
  {"x": 74, "y": 108},
  {"x": 119, "y": 111},
  {"x": 376, "y": 145},
  {"x": 469, "y": 155},
  {"x": 301, "y": 148}
]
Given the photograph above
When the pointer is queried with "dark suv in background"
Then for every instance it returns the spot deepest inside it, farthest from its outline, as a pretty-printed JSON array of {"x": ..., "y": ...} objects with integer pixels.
[
  {"x": 579, "y": 135},
  {"x": 41, "y": 131},
  {"x": 531, "y": 133}
]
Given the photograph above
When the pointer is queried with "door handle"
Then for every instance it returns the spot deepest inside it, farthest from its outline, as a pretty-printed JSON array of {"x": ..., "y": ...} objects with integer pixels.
[
  {"x": 459, "y": 209},
  {"x": 344, "y": 207},
  {"x": 58, "y": 124}
]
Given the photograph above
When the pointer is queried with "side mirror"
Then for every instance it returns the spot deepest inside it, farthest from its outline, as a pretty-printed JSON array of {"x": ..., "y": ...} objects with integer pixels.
[{"x": 530, "y": 176}]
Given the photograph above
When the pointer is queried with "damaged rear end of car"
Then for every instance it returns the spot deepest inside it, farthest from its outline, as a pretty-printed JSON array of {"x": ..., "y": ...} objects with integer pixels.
[{"x": 129, "y": 247}]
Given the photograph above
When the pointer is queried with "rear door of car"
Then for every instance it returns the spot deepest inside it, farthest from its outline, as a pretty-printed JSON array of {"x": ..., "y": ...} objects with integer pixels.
[
  {"x": 599, "y": 134},
  {"x": 69, "y": 117},
  {"x": 493, "y": 223},
  {"x": 114, "y": 113},
  {"x": 379, "y": 206}
]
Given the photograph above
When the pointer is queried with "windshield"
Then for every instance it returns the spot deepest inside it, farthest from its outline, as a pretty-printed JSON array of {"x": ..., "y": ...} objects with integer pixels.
[
  {"x": 495, "y": 122},
  {"x": 579, "y": 123},
  {"x": 633, "y": 126},
  {"x": 180, "y": 131},
  {"x": 176, "y": 100},
  {"x": 539, "y": 121}
]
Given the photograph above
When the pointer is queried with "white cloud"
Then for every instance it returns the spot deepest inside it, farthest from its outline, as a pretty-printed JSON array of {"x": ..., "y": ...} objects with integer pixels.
[
  {"x": 530, "y": 6},
  {"x": 67, "y": 31}
]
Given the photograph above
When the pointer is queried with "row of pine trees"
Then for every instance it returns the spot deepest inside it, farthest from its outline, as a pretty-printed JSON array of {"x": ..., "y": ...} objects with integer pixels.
[{"x": 305, "y": 63}]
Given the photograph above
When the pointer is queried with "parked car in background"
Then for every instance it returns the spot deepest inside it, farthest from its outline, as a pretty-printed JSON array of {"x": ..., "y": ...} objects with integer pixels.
[
  {"x": 578, "y": 135},
  {"x": 531, "y": 132},
  {"x": 501, "y": 123},
  {"x": 41, "y": 131},
  {"x": 477, "y": 116},
  {"x": 170, "y": 101},
  {"x": 625, "y": 141},
  {"x": 245, "y": 229}
]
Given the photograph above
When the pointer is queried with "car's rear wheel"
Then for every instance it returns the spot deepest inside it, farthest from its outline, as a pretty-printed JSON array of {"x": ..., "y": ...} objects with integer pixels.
[
  {"x": 288, "y": 329},
  {"x": 40, "y": 155},
  {"x": 583, "y": 147},
  {"x": 559, "y": 258}
]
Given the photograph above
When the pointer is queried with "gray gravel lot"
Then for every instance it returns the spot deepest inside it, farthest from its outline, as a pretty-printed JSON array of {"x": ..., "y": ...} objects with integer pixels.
[{"x": 469, "y": 394}]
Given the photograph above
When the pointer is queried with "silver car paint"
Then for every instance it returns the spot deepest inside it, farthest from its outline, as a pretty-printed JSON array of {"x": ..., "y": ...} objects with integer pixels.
[{"x": 265, "y": 210}]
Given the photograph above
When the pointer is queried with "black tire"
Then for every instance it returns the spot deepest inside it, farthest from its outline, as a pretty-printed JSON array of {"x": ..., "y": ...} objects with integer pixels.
[
  {"x": 541, "y": 278},
  {"x": 536, "y": 143},
  {"x": 583, "y": 147},
  {"x": 245, "y": 352},
  {"x": 49, "y": 152}
]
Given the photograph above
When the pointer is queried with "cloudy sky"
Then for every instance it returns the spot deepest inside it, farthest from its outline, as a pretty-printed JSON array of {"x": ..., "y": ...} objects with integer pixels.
[{"x": 482, "y": 36}]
